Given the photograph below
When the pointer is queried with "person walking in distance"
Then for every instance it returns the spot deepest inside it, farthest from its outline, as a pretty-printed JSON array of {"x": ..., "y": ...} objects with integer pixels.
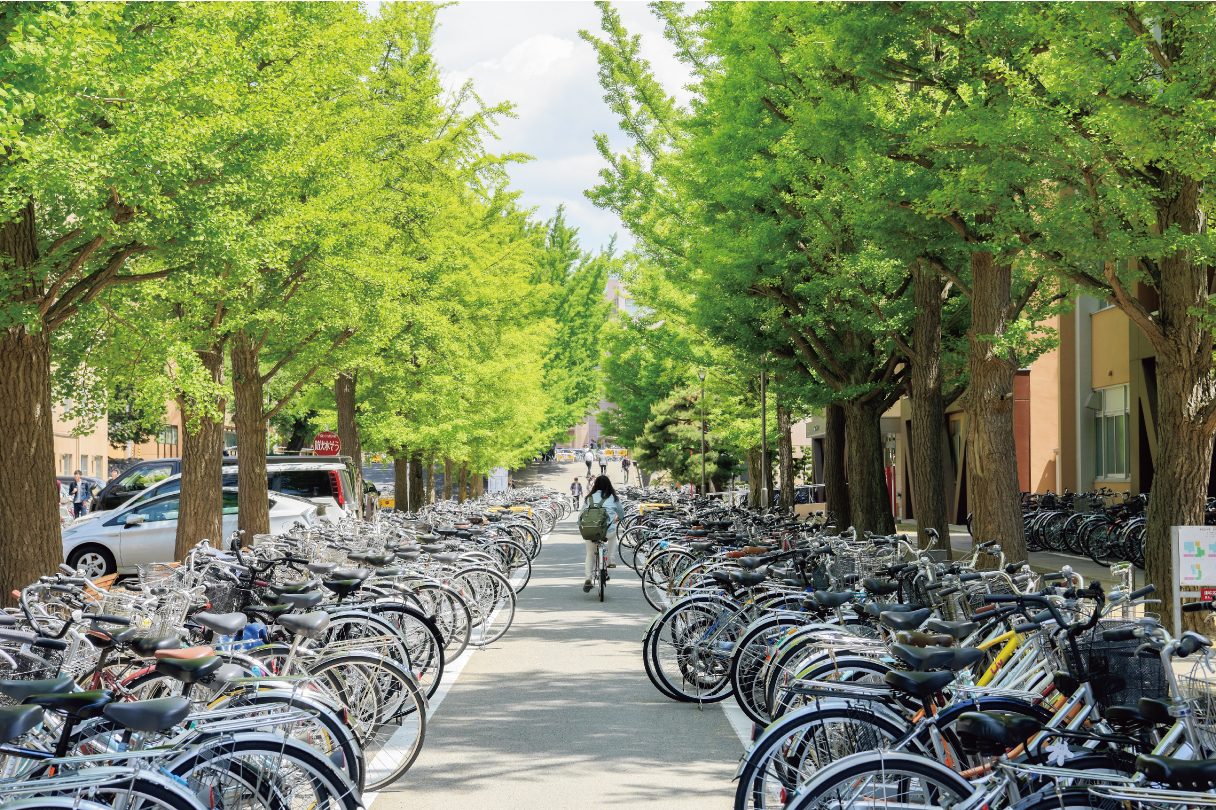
[
  {"x": 625, "y": 469},
  {"x": 81, "y": 492},
  {"x": 576, "y": 492},
  {"x": 602, "y": 495},
  {"x": 601, "y": 458},
  {"x": 589, "y": 458}
]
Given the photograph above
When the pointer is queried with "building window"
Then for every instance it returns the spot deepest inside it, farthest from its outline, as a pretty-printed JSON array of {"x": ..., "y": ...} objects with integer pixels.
[
  {"x": 1111, "y": 441},
  {"x": 66, "y": 459},
  {"x": 168, "y": 435},
  {"x": 99, "y": 467}
]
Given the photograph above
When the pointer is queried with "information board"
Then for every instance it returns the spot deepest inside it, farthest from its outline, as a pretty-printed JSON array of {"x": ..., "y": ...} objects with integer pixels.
[{"x": 1194, "y": 552}]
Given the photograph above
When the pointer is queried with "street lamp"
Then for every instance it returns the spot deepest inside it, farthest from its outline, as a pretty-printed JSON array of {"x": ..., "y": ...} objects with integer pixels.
[{"x": 702, "y": 376}]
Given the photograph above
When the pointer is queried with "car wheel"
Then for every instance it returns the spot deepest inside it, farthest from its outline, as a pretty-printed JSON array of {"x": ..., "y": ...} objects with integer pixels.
[{"x": 92, "y": 561}]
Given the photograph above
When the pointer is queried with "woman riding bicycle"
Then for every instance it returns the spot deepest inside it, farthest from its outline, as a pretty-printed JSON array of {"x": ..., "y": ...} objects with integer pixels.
[{"x": 601, "y": 494}]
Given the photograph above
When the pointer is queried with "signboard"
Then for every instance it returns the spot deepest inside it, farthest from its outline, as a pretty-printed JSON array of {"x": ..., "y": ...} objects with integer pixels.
[
  {"x": 498, "y": 480},
  {"x": 1194, "y": 552},
  {"x": 327, "y": 443},
  {"x": 1207, "y": 594}
]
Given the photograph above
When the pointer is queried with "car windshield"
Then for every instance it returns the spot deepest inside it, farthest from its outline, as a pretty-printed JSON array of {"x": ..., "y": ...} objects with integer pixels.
[
  {"x": 145, "y": 477},
  {"x": 167, "y": 488}
]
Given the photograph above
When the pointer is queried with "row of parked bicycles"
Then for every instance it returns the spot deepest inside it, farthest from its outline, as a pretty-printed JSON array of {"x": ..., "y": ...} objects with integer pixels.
[
  {"x": 288, "y": 671},
  {"x": 1106, "y": 526},
  {"x": 881, "y": 675}
]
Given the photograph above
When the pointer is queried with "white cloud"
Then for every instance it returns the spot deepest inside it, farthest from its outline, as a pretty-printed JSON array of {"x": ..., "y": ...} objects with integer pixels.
[{"x": 532, "y": 57}]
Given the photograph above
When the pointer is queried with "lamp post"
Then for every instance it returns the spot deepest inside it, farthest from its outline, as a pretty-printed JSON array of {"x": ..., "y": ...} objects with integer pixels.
[
  {"x": 702, "y": 376},
  {"x": 764, "y": 496}
]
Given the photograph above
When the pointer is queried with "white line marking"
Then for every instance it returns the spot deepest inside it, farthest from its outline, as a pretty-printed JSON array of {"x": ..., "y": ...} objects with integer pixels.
[{"x": 739, "y": 721}]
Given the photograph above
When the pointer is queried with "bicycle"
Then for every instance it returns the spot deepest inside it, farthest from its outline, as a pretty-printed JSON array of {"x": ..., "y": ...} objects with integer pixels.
[{"x": 601, "y": 565}]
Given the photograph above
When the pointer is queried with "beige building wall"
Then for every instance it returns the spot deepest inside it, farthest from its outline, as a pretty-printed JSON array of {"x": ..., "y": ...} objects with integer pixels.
[
  {"x": 89, "y": 453},
  {"x": 1111, "y": 340},
  {"x": 1045, "y": 418},
  {"x": 169, "y": 443}
]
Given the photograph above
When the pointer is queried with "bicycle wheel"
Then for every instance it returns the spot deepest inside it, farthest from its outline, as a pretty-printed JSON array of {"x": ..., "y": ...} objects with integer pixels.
[
  {"x": 421, "y": 637},
  {"x": 882, "y": 779},
  {"x": 491, "y": 599},
  {"x": 603, "y": 579},
  {"x": 385, "y": 706},
  {"x": 796, "y": 747},
  {"x": 251, "y": 769},
  {"x": 747, "y": 663},
  {"x": 515, "y": 564},
  {"x": 450, "y": 613},
  {"x": 692, "y": 648},
  {"x": 660, "y": 570}
]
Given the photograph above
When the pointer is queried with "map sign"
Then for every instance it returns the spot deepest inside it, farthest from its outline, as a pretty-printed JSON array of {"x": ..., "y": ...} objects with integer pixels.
[{"x": 1194, "y": 553}]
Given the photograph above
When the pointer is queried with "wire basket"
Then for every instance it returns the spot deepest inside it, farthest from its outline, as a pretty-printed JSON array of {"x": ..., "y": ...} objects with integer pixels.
[
  {"x": 1118, "y": 675},
  {"x": 1200, "y": 689},
  {"x": 225, "y": 597}
]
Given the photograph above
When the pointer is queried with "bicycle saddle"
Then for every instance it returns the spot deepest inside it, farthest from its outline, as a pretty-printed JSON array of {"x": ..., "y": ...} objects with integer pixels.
[
  {"x": 922, "y": 658},
  {"x": 388, "y": 572},
  {"x": 190, "y": 670},
  {"x": 226, "y": 624},
  {"x": 20, "y": 690},
  {"x": 186, "y": 654},
  {"x": 446, "y": 532},
  {"x": 918, "y": 684},
  {"x": 295, "y": 587},
  {"x": 748, "y": 579},
  {"x": 750, "y": 563},
  {"x": 357, "y": 556},
  {"x": 160, "y": 714},
  {"x": 148, "y": 647},
  {"x": 378, "y": 560},
  {"x": 410, "y": 555},
  {"x": 463, "y": 535},
  {"x": 702, "y": 547},
  {"x": 830, "y": 600},
  {"x": 993, "y": 734},
  {"x": 1126, "y": 717},
  {"x": 427, "y": 538},
  {"x": 434, "y": 549},
  {"x": 1155, "y": 711},
  {"x": 905, "y": 620},
  {"x": 271, "y": 610},
  {"x": 301, "y": 601},
  {"x": 351, "y": 573},
  {"x": 79, "y": 705},
  {"x": 957, "y": 630},
  {"x": 1184, "y": 774},
  {"x": 309, "y": 625},
  {"x": 696, "y": 533},
  {"x": 342, "y": 587},
  {"x": 914, "y": 639},
  {"x": 16, "y": 720},
  {"x": 321, "y": 569},
  {"x": 876, "y": 609},
  {"x": 876, "y": 588},
  {"x": 720, "y": 576},
  {"x": 104, "y": 641},
  {"x": 964, "y": 657},
  {"x": 446, "y": 559}
]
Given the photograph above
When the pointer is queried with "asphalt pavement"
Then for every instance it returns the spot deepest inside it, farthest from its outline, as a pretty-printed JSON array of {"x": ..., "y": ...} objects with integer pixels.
[{"x": 559, "y": 713}]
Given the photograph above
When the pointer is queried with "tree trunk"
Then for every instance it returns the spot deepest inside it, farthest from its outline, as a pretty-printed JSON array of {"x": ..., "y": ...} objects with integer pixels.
[
  {"x": 1186, "y": 391},
  {"x": 928, "y": 409},
  {"x": 417, "y": 488},
  {"x": 31, "y": 541},
  {"x": 449, "y": 486},
  {"x": 430, "y": 479},
  {"x": 200, "y": 515},
  {"x": 401, "y": 481},
  {"x": 868, "y": 493},
  {"x": 478, "y": 487},
  {"x": 992, "y": 460},
  {"x": 835, "y": 476},
  {"x": 462, "y": 483},
  {"x": 249, "y": 416},
  {"x": 785, "y": 455},
  {"x": 754, "y": 476},
  {"x": 348, "y": 427}
]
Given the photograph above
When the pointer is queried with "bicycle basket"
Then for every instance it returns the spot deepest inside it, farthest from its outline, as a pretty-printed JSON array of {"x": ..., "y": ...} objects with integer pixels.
[
  {"x": 1116, "y": 673},
  {"x": 1200, "y": 689}
]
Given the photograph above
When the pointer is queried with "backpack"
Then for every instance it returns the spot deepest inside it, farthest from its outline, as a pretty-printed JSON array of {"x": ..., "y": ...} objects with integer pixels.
[{"x": 593, "y": 522}]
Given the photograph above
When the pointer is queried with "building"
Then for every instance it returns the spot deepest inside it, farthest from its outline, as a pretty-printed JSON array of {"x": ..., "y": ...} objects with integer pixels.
[{"x": 89, "y": 453}]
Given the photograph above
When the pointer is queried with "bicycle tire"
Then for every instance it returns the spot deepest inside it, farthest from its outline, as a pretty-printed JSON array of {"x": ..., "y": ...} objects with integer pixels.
[
  {"x": 490, "y": 596},
  {"x": 691, "y": 670},
  {"x": 936, "y": 784}
]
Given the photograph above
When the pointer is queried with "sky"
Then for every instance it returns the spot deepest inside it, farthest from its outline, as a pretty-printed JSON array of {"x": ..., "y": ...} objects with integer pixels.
[{"x": 530, "y": 53}]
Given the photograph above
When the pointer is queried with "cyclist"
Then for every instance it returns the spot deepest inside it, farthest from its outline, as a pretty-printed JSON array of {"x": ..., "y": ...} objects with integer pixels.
[
  {"x": 625, "y": 462},
  {"x": 601, "y": 494}
]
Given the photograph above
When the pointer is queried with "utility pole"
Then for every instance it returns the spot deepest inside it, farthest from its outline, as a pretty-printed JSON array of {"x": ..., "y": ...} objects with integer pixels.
[
  {"x": 702, "y": 376},
  {"x": 764, "y": 496}
]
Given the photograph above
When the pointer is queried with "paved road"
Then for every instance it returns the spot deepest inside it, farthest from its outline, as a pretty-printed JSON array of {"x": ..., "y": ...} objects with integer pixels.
[{"x": 560, "y": 714}]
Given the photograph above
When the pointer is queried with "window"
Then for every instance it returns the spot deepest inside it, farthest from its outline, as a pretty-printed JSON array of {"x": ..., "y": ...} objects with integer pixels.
[
  {"x": 156, "y": 512},
  {"x": 99, "y": 467},
  {"x": 84, "y": 466},
  {"x": 168, "y": 488},
  {"x": 229, "y": 507},
  {"x": 66, "y": 460},
  {"x": 168, "y": 435},
  {"x": 1111, "y": 441},
  {"x": 145, "y": 477},
  {"x": 306, "y": 484}
]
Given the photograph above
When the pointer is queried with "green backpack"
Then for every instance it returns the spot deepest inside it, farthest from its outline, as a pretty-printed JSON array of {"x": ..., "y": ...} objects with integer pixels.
[{"x": 593, "y": 522}]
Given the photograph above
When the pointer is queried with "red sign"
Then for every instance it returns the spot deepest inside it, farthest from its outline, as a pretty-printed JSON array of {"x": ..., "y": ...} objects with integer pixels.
[
  {"x": 327, "y": 443},
  {"x": 1207, "y": 594}
]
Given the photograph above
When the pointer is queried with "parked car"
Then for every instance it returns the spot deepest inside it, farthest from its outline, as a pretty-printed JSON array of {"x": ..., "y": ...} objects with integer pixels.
[
  {"x": 146, "y": 531},
  {"x": 140, "y": 476}
]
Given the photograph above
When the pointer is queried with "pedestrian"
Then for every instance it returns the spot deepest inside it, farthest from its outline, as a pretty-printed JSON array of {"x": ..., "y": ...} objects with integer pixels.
[
  {"x": 81, "y": 492},
  {"x": 576, "y": 492},
  {"x": 589, "y": 458},
  {"x": 602, "y": 494},
  {"x": 625, "y": 469},
  {"x": 602, "y": 458}
]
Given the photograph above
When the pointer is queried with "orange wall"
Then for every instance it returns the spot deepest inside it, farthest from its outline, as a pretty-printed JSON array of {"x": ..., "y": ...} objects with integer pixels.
[
  {"x": 1045, "y": 417},
  {"x": 1110, "y": 348}
]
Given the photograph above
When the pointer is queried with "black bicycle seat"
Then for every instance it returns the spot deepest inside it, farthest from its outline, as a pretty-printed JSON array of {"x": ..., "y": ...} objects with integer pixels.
[
  {"x": 410, "y": 555},
  {"x": 915, "y": 639},
  {"x": 993, "y": 734},
  {"x": 1126, "y": 717},
  {"x": 378, "y": 560},
  {"x": 388, "y": 572},
  {"x": 350, "y": 573},
  {"x": 1183, "y": 774},
  {"x": 876, "y": 609},
  {"x": 427, "y": 538},
  {"x": 720, "y": 576},
  {"x": 309, "y": 625},
  {"x": 269, "y": 610},
  {"x": 833, "y": 600},
  {"x": 904, "y": 620},
  {"x": 959, "y": 630},
  {"x": 434, "y": 549},
  {"x": 1155, "y": 711},
  {"x": 295, "y": 587},
  {"x": 79, "y": 705},
  {"x": 342, "y": 587},
  {"x": 160, "y": 714},
  {"x": 922, "y": 658},
  {"x": 226, "y": 624},
  {"x": 147, "y": 647},
  {"x": 918, "y": 684},
  {"x": 104, "y": 641},
  {"x": 189, "y": 670},
  {"x": 446, "y": 559},
  {"x": 321, "y": 569},
  {"x": 302, "y": 601},
  {"x": 20, "y": 690},
  {"x": 16, "y": 720},
  {"x": 446, "y": 532},
  {"x": 750, "y": 563},
  {"x": 357, "y": 556},
  {"x": 748, "y": 579},
  {"x": 965, "y": 657},
  {"x": 702, "y": 547},
  {"x": 696, "y": 533},
  {"x": 875, "y": 588}
]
